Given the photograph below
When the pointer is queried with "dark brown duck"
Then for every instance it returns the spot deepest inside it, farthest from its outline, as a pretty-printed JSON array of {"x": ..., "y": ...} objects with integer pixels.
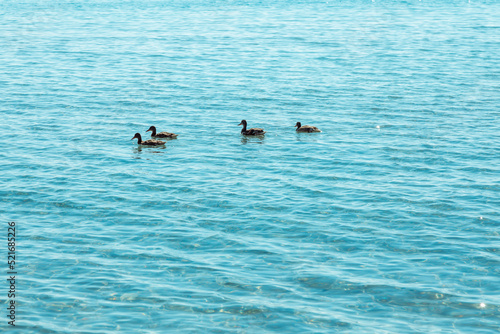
[
  {"x": 149, "y": 142},
  {"x": 161, "y": 134},
  {"x": 252, "y": 131},
  {"x": 306, "y": 128}
]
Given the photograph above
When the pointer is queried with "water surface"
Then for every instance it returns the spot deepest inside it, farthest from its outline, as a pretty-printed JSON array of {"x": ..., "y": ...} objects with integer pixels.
[{"x": 386, "y": 222}]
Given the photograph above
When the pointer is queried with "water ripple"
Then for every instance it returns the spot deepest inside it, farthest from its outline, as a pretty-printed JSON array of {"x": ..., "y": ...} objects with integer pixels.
[{"x": 387, "y": 221}]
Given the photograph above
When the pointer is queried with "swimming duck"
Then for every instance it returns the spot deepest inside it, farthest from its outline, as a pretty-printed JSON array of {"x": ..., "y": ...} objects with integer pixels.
[
  {"x": 161, "y": 134},
  {"x": 252, "y": 131},
  {"x": 149, "y": 142},
  {"x": 306, "y": 128}
]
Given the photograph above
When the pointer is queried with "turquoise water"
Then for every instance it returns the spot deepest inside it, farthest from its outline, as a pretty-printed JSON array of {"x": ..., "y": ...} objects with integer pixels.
[{"x": 386, "y": 222}]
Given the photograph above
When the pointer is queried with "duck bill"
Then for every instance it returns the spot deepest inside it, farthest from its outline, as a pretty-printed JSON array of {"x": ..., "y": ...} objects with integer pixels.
[{"x": 241, "y": 123}]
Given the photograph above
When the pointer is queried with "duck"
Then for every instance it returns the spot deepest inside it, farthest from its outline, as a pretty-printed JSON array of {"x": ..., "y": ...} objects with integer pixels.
[
  {"x": 252, "y": 131},
  {"x": 306, "y": 128},
  {"x": 161, "y": 134},
  {"x": 149, "y": 142}
]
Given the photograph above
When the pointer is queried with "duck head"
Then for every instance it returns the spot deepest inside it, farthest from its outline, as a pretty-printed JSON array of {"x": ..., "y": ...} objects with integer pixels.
[
  {"x": 138, "y": 136},
  {"x": 298, "y": 125},
  {"x": 243, "y": 122}
]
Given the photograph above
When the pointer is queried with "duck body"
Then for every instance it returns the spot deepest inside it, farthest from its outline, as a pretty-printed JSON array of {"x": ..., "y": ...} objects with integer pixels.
[
  {"x": 252, "y": 131},
  {"x": 149, "y": 142},
  {"x": 161, "y": 134},
  {"x": 306, "y": 128}
]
